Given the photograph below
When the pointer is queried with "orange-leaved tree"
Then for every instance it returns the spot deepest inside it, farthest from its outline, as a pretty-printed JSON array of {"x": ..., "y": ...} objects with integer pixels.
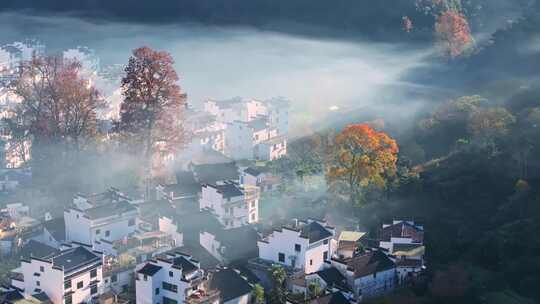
[{"x": 362, "y": 158}]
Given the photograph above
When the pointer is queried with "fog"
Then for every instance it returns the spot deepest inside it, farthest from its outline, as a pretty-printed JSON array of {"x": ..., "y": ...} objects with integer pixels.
[{"x": 214, "y": 62}]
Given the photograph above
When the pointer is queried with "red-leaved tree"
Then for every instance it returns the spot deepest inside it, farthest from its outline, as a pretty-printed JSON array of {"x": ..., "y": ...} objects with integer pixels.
[{"x": 151, "y": 114}]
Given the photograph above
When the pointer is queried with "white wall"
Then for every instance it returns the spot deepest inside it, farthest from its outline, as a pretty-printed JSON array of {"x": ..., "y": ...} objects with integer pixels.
[{"x": 168, "y": 226}]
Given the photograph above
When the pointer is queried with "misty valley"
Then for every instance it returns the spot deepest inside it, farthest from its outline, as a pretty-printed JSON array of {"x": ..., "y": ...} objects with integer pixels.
[{"x": 269, "y": 152}]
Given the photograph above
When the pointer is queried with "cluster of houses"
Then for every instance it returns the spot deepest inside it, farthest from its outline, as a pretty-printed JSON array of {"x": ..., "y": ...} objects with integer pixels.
[
  {"x": 200, "y": 241},
  {"x": 240, "y": 128},
  {"x": 199, "y": 238}
]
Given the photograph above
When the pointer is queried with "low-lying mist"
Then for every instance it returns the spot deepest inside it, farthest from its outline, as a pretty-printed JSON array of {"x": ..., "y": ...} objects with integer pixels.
[{"x": 315, "y": 74}]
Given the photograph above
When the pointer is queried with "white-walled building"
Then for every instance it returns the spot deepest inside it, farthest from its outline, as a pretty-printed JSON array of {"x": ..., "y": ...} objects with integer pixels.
[
  {"x": 233, "y": 205},
  {"x": 369, "y": 274},
  {"x": 404, "y": 243},
  {"x": 303, "y": 245},
  {"x": 71, "y": 276},
  {"x": 109, "y": 222},
  {"x": 251, "y": 129},
  {"x": 169, "y": 280}
]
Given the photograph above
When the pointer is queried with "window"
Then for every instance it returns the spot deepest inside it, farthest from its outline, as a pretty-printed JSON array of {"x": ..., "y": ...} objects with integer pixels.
[
  {"x": 145, "y": 277},
  {"x": 93, "y": 273},
  {"x": 93, "y": 289},
  {"x": 325, "y": 242},
  {"x": 171, "y": 274},
  {"x": 114, "y": 278},
  {"x": 157, "y": 291},
  {"x": 107, "y": 233},
  {"x": 77, "y": 216},
  {"x": 170, "y": 287},
  {"x": 98, "y": 231},
  {"x": 67, "y": 284},
  {"x": 80, "y": 285},
  {"x": 310, "y": 262},
  {"x": 38, "y": 283},
  {"x": 281, "y": 257},
  {"x": 297, "y": 247},
  {"x": 169, "y": 301},
  {"x": 41, "y": 268},
  {"x": 325, "y": 255},
  {"x": 252, "y": 204},
  {"x": 131, "y": 222},
  {"x": 68, "y": 299},
  {"x": 253, "y": 216}
]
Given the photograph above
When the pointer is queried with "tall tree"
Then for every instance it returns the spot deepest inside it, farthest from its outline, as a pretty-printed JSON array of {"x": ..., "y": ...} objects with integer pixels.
[
  {"x": 152, "y": 110},
  {"x": 278, "y": 292},
  {"x": 57, "y": 112},
  {"x": 362, "y": 158}
]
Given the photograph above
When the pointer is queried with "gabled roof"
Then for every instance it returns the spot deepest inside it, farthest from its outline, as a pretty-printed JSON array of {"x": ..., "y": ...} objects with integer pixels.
[
  {"x": 149, "y": 269},
  {"x": 351, "y": 236},
  {"x": 211, "y": 173},
  {"x": 334, "y": 278},
  {"x": 315, "y": 232},
  {"x": 57, "y": 228},
  {"x": 74, "y": 258},
  {"x": 228, "y": 190},
  {"x": 255, "y": 171},
  {"x": 186, "y": 265},
  {"x": 185, "y": 185},
  {"x": 240, "y": 243},
  {"x": 403, "y": 229},
  {"x": 109, "y": 210},
  {"x": 369, "y": 263},
  {"x": 206, "y": 260},
  {"x": 37, "y": 250},
  {"x": 230, "y": 284}
]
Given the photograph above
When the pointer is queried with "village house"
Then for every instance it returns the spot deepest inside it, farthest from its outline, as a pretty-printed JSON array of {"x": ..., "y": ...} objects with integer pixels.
[
  {"x": 404, "y": 243},
  {"x": 302, "y": 245},
  {"x": 72, "y": 275},
  {"x": 109, "y": 222},
  {"x": 369, "y": 274},
  {"x": 349, "y": 243},
  {"x": 233, "y": 205},
  {"x": 169, "y": 280},
  {"x": 260, "y": 177}
]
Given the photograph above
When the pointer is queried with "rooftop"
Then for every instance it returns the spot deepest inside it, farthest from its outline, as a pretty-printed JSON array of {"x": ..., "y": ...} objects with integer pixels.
[
  {"x": 37, "y": 249},
  {"x": 211, "y": 173},
  {"x": 149, "y": 269},
  {"x": 230, "y": 284},
  {"x": 57, "y": 228},
  {"x": 73, "y": 258},
  {"x": 315, "y": 232},
  {"x": 108, "y": 210},
  {"x": 229, "y": 190},
  {"x": 334, "y": 278},
  {"x": 368, "y": 263}
]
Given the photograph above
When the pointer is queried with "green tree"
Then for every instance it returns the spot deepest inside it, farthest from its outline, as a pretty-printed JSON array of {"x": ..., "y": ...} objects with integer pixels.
[
  {"x": 278, "y": 293},
  {"x": 258, "y": 294}
]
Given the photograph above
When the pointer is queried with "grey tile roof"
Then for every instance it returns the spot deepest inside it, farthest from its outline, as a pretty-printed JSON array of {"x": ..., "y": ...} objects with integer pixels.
[
  {"x": 230, "y": 284},
  {"x": 37, "y": 249},
  {"x": 315, "y": 232},
  {"x": 149, "y": 269},
  {"x": 187, "y": 266},
  {"x": 333, "y": 277},
  {"x": 74, "y": 258},
  {"x": 109, "y": 210},
  {"x": 229, "y": 190},
  {"x": 57, "y": 228},
  {"x": 211, "y": 173}
]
